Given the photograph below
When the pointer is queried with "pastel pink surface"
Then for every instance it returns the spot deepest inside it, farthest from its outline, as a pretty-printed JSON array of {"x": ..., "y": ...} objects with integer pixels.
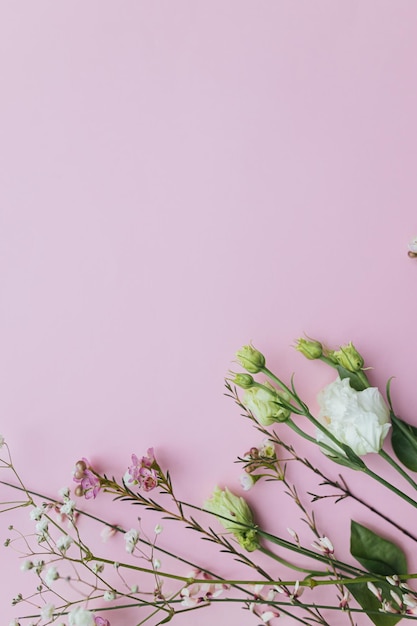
[{"x": 177, "y": 180}]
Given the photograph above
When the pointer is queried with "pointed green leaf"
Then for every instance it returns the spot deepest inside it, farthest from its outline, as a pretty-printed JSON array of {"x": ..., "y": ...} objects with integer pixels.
[
  {"x": 377, "y": 554},
  {"x": 371, "y": 604},
  {"x": 404, "y": 442}
]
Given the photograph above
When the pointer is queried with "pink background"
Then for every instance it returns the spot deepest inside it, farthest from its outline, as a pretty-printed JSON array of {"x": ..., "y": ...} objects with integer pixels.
[{"x": 177, "y": 179}]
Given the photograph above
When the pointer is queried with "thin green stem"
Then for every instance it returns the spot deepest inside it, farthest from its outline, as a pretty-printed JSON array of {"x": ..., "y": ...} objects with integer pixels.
[
  {"x": 398, "y": 468},
  {"x": 274, "y": 556},
  {"x": 391, "y": 487}
]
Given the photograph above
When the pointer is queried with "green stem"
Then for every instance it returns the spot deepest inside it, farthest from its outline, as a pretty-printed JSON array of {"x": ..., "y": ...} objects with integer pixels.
[
  {"x": 303, "y": 434},
  {"x": 398, "y": 468},
  {"x": 277, "y": 380},
  {"x": 274, "y": 556},
  {"x": 284, "y": 543},
  {"x": 388, "y": 485}
]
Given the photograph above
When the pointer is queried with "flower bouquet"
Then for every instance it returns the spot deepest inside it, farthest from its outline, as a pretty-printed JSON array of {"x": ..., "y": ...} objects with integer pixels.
[{"x": 305, "y": 580}]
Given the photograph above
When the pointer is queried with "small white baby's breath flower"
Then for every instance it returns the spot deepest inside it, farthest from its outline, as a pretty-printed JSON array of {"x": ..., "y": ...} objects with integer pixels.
[
  {"x": 36, "y": 513},
  {"x": 64, "y": 493},
  {"x": 64, "y": 542},
  {"x": 26, "y": 566},
  {"x": 98, "y": 568},
  {"x": 109, "y": 596},
  {"x": 42, "y": 526},
  {"x": 47, "y": 611},
  {"x": 158, "y": 529},
  {"x": 67, "y": 508},
  {"x": 51, "y": 575},
  {"x": 2, "y": 441},
  {"x": 157, "y": 564}
]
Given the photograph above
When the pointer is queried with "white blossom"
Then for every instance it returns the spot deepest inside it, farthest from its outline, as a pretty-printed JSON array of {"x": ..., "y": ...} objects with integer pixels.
[
  {"x": 109, "y": 595},
  {"x": 64, "y": 542},
  {"x": 131, "y": 539},
  {"x": 51, "y": 575},
  {"x": 36, "y": 513},
  {"x": 81, "y": 617},
  {"x": 359, "y": 419},
  {"x": 67, "y": 508},
  {"x": 47, "y": 611}
]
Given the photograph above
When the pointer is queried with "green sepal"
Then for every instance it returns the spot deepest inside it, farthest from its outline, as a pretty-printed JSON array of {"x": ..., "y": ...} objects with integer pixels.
[
  {"x": 354, "y": 381},
  {"x": 404, "y": 442}
]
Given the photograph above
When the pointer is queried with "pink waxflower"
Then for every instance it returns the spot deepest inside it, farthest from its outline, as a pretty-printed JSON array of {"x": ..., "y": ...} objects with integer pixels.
[
  {"x": 89, "y": 483},
  {"x": 100, "y": 621},
  {"x": 149, "y": 460},
  {"x": 142, "y": 471},
  {"x": 148, "y": 478}
]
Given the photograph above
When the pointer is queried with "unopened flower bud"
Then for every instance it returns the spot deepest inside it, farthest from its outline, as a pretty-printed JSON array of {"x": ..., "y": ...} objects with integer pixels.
[
  {"x": 251, "y": 359},
  {"x": 79, "y": 491},
  {"x": 245, "y": 381},
  {"x": 349, "y": 358},
  {"x": 80, "y": 466},
  {"x": 264, "y": 403},
  {"x": 235, "y": 515},
  {"x": 376, "y": 591},
  {"x": 310, "y": 348}
]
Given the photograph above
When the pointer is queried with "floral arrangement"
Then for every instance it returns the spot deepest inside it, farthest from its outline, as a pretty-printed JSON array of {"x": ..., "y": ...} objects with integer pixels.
[{"x": 74, "y": 584}]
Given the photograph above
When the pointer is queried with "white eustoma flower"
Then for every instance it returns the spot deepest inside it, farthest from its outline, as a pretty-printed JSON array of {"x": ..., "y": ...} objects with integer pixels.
[
  {"x": 359, "y": 419},
  {"x": 81, "y": 617}
]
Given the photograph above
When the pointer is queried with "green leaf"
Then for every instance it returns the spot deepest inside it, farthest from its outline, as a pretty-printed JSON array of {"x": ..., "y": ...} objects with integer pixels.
[
  {"x": 371, "y": 604},
  {"x": 404, "y": 442},
  {"x": 377, "y": 554}
]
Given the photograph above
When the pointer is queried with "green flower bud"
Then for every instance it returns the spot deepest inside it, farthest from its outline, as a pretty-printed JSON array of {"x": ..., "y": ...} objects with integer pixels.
[
  {"x": 349, "y": 358},
  {"x": 309, "y": 348},
  {"x": 251, "y": 359},
  {"x": 264, "y": 403},
  {"x": 243, "y": 380},
  {"x": 235, "y": 516}
]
